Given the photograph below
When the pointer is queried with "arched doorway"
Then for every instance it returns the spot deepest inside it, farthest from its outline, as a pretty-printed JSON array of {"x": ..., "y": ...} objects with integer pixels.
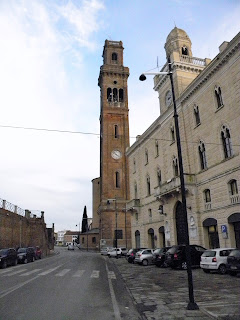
[
  {"x": 137, "y": 239},
  {"x": 235, "y": 220},
  {"x": 162, "y": 242},
  {"x": 211, "y": 225},
  {"x": 180, "y": 224},
  {"x": 151, "y": 238}
]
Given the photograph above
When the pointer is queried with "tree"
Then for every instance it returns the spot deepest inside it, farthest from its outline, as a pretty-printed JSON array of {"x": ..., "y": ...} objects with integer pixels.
[{"x": 85, "y": 220}]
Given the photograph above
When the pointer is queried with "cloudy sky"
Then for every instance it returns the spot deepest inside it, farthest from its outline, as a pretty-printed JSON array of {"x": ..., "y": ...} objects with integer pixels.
[{"x": 50, "y": 55}]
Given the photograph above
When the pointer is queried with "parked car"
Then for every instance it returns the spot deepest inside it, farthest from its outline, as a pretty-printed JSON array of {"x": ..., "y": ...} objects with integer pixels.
[
  {"x": 38, "y": 253},
  {"x": 104, "y": 250},
  {"x": 70, "y": 247},
  {"x": 176, "y": 256},
  {"x": 159, "y": 257},
  {"x": 215, "y": 259},
  {"x": 144, "y": 257},
  {"x": 115, "y": 252},
  {"x": 8, "y": 257},
  {"x": 233, "y": 262},
  {"x": 25, "y": 255},
  {"x": 130, "y": 256}
]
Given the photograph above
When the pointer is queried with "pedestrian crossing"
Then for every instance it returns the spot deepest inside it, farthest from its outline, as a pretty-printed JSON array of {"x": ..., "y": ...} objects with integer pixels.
[{"x": 57, "y": 272}]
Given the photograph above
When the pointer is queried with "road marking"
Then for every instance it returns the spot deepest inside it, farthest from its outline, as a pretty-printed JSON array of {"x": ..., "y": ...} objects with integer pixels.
[
  {"x": 13, "y": 273},
  {"x": 79, "y": 273},
  {"x": 62, "y": 273},
  {"x": 111, "y": 275},
  {"x": 95, "y": 274},
  {"x": 29, "y": 272},
  {"x": 49, "y": 271},
  {"x": 113, "y": 297}
]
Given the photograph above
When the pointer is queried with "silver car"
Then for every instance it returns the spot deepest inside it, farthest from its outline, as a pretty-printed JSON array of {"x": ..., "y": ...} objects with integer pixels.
[{"x": 144, "y": 257}]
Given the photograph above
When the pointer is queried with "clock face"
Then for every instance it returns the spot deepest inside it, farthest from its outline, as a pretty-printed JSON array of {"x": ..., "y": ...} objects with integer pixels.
[
  {"x": 116, "y": 154},
  {"x": 168, "y": 98}
]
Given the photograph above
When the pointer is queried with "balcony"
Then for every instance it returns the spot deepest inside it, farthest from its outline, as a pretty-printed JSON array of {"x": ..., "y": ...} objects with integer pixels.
[
  {"x": 133, "y": 205},
  {"x": 235, "y": 198}
]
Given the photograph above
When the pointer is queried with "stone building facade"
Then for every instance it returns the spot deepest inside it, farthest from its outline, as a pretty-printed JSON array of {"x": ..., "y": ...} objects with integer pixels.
[{"x": 208, "y": 99}]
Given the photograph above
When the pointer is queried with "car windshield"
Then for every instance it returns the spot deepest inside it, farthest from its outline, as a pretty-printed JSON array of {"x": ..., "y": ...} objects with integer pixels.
[
  {"x": 235, "y": 253},
  {"x": 3, "y": 251},
  {"x": 209, "y": 253}
]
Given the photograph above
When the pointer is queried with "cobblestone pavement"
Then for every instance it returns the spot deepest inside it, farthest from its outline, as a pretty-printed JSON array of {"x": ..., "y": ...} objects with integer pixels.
[{"x": 162, "y": 293}]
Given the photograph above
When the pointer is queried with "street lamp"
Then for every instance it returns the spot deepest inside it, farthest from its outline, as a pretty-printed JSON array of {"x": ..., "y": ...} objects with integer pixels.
[
  {"x": 191, "y": 304},
  {"x": 116, "y": 218}
]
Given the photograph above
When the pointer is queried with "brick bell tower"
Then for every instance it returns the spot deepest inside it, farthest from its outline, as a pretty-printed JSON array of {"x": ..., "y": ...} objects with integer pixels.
[{"x": 114, "y": 220}]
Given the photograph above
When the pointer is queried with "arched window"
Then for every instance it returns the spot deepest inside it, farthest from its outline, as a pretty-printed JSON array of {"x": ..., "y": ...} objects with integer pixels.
[
  {"x": 156, "y": 148},
  {"x": 172, "y": 134},
  {"x": 159, "y": 177},
  {"x": 115, "y": 94},
  {"x": 207, "y": 199},
  {"x": 116, "y": 134},
  {"x": 121, "y": 95},
  {"x": 117, "y": 179},
  {"x": 218, "y": 95},
  {"x": 184, "y": 51},
  {"x": 202, "y": 155},
  {"x": 148, "y": 186},
  {"x": 109, "y": 94},
  {"x": 233, "y": 188},
  {"x": 114, "y": 56},
  {"x": 175, "y": 167},
  {"x": 146, "y": 156},
  {"x": 226, "y": 142},
  {"x": 197, "y": 115}
]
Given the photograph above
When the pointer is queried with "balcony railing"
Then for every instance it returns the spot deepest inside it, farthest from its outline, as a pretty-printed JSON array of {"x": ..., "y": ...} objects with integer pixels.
[
  {"x": 133, "y": 204},
  {"x": 208, "y": 206},
  {"x": 171, "y": 186},
  {"x": 193, "y": 60},
  {"x": 235, "y": 198}
]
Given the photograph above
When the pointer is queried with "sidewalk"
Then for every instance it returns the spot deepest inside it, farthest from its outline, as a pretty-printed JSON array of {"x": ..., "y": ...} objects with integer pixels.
[{"x": 163, "y": 293}]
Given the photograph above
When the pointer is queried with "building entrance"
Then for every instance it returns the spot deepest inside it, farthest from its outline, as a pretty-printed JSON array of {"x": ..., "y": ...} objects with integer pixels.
[
  {"x": 151, "y": 238},
  {"x": 235, "y": 220},
  {"x": 213, "y": 239}
]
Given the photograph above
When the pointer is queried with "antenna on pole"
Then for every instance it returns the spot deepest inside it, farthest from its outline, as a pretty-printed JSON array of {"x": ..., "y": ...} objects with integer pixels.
[{"x": 157, "y": 63}]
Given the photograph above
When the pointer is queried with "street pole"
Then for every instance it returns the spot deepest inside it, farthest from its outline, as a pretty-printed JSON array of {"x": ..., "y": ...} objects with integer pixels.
[{"x": 191, "y": 304}]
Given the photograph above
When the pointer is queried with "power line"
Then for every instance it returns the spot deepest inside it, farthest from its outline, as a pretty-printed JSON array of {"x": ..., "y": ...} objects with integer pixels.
[{"x": 98, "y": 134}]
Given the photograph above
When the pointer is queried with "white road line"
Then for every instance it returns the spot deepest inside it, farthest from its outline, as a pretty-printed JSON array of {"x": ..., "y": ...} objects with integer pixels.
[
  {"x": 113, "y": 297},
  {"x": 13, "y": 273},
  {"x": 49, "y": 271},
  {"x": 111, "y": 275},
  {"x": 62, "y": 273},
  {"x": 29, "y": 272},
  {"x": 95, "y": 274},
  {"x": 79, "y": 273}
]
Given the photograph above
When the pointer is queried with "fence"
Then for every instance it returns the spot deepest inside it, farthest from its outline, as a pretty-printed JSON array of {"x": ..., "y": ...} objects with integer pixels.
[{"x": 4, "y": 204}]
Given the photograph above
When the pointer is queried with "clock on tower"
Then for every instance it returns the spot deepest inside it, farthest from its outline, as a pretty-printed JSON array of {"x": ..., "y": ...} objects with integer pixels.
[{"x": 114, "y": 226}]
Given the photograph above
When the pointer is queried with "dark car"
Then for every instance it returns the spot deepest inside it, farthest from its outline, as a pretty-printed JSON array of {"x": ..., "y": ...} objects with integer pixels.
[
  {"x": 176, "y": 256},
  {"x": 233, "y": 262},
  {"x": 26, "y": 255},
  {"x": 131, "y": 254},
  {"x": 159, "y": 257},
  {"x": 38, "y": 253},
  {"x": 8, "y": 257}
]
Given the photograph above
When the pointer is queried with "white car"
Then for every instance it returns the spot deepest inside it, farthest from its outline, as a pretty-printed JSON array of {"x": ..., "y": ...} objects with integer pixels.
[
  {"x": 215, "y": 259},
  {"x": 115, "y": 252},
  {"x": 104, "y": 251}
]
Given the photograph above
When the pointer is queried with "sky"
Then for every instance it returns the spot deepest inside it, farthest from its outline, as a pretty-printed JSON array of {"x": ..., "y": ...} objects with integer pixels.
[{"x": 50, "y": 57}]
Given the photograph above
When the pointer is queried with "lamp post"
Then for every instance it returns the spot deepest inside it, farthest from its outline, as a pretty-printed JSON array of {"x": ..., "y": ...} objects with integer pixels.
[
  {"x": 116, "y": 218},
  {"x": 191, "y": 304}
]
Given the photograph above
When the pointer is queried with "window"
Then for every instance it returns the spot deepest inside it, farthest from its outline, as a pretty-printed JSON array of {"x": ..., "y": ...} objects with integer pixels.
[
  {"x": 82, "y": 240},
  {"x": 109, "y": 94},
  {"x": 159, "y": 177},
  {"x": 135, "y": 191},
  {"x": 118, "y": 234},
  {"x": 172, "y": 134},
  {"x": 134, "y": 165},
  {"x": 218, "y": 95},
  {"x": 233, "y": 188},
  {"x": 184, "y": 51},
  {"x": 115, "y": 95},
  {"x": 120, "y": 95},
  {"x": 202, "y": 155},
  {"x": 150, "y": 214},
  {"x": 148, "y": 186},
  {"x": 207, "y": 196},
  {"x": 156, "y": 148},
  {"x": 175, "y": 167},
  {"x": 117, "y": 179},
  {"x": 136, "y": 216},
  {"x": 146, "y": 156},
  {"x": 227, "y": 143},
  {"x": 93, "y": 239},
  {"x": 116, "y": 135},
  {"x": 197, "y": 115},
  {"x": 114, "y": 56}
]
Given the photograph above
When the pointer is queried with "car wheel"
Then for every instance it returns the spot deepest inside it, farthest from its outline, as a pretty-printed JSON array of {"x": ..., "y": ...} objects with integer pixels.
[
  {"x": 232, "y": 273},
  {"x": 33, "y": 259},
  {"x": 4, "y": 265},
  {"x": 15, "y": 262},
  {"x": 145, "y": 262},
  {"x": 206, "y": 270},
  {"x": 25, "y": 261},
  {"x": 222, "y": 269},
  {"x": 184, "y": 265},
  {"x": 164, "y": 265}
]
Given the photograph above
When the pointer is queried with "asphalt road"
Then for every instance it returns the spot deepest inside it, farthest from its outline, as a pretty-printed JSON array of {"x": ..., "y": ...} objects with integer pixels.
[{"x": 71, "y": 285}]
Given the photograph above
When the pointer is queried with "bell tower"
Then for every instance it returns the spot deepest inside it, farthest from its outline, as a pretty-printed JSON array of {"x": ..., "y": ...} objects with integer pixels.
[{"x": 114, "y": 225}]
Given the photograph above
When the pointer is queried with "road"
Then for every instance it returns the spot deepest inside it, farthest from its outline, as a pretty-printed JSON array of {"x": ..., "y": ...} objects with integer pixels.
[{"x": 67, "y": 286}]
